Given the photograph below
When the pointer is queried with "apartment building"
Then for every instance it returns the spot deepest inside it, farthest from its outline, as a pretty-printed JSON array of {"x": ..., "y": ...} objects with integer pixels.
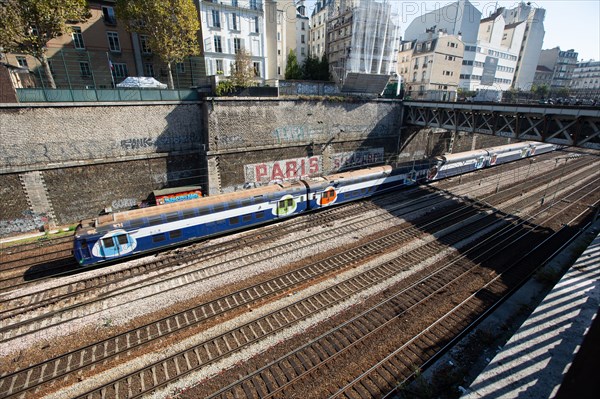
[
  {"x": 530, "y": 47},
  {"x": 318, "y": 26},
  {"x": 430, "y": 66},
  {"x": 562, "y": 64},
  {"x": 287, "y": 28},
  {"x": 585, "y": 81},
  {"x": 228, "y": 26},
  {"x": 492, "y": 62},
  {"x": 100, "y": 53}
]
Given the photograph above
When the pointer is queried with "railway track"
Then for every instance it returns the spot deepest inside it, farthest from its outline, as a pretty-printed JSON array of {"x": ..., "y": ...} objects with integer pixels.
[
  {"x": 223, "y": 303},
  {"x": 313, "y": 363},
  {"x": 151, "y": 375},
  {"x": 19, "y": 312}
]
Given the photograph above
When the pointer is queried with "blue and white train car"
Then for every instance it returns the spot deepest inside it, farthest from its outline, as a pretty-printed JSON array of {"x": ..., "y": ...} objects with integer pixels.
[
  {"x": 456, "y": 164},
  {"x": 348, "y": 186},
  {"x": 127, "y": 233}
]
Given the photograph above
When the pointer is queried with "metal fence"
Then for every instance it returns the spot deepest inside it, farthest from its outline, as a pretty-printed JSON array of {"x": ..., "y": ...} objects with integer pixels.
[{"x": 104, "y": 95}]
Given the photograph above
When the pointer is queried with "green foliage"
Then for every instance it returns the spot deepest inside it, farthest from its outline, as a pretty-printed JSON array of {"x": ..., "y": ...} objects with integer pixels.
[
  {"x": 243, "y": 72},
  {"x": 540, "y": 91},
  {"x": 462, "y": 93},
  {"x": 315, "y": 69},
  {"x": 224, "y": 88},
  {"x": 26, "y": 26},
  {"x": 292, "y": 69},
  {"x": 171, "y": 26}
]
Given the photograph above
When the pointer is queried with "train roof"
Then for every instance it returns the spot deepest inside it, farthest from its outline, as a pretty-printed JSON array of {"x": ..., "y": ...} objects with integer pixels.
[
  {"x": 193, "y": 203},
  {"x": 359, "y": 173},
  {"x": 464, "y": 155}
]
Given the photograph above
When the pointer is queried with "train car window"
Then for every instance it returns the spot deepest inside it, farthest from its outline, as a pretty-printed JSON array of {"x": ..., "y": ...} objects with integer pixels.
[
  {"x": 232, "y": 205},
  {"x": 175, "y": 234},
  {"x": 122, "y": 239},
  {"x": 188, "y": 213},
  {"x": 290, "y": 202},
  {"x": 247, "y": 218},
  {"x": 84, "y": 244},
  {"x": 246, "y": 201},
  {"x": 172, "y": 217},
  {"x": 260, "y": 215},
  {"x": 234, "y": 220},
  {"x": 155, "y": 220},
  {"x": 203, "y": 211},
  {"x": 218, "y": 208},
  {"x": 108, "y": 242},
  {"x": 136, "y": 223},
  {"x": 158, "y": 238}
]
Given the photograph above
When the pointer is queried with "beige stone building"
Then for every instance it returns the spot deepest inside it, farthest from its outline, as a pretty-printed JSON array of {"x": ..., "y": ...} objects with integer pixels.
[
  {"x": 83, "y": 58},
  {"x": 318, "y": 27},
  {"x": 430, "y": 67}
]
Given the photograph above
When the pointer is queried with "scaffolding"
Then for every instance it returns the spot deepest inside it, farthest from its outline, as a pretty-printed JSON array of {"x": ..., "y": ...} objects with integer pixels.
[{"x": 374, "y": 37}]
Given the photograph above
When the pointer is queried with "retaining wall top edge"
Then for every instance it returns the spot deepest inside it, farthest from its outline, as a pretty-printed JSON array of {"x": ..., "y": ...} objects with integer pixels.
[
  {"x": 95, "y": 104},
  {"x": 292, "y": 99}
]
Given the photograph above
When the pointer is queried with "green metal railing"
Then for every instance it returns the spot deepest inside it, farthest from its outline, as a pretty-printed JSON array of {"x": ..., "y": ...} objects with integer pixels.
[{"x": 104, "y": 95}]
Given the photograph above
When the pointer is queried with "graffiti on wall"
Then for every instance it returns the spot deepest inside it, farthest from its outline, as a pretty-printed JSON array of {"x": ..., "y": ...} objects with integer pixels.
[
  {"x": 345, "y": 160},
  {"x": 165, "y": 141},
  {"x": 287, "y": 169}
]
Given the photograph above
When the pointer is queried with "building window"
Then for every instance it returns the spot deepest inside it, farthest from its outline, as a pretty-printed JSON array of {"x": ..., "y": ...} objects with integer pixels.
[
  {"x": 302, "y": 40},
  {"x": 22, "y": 61},
  {"x": 237, "y": 45},
  {"x": 149, "y": 70},
  {"x": 216, "y": 19},
  {"x": 302, "y": 52},
  {"x": 234, "y": 22},
  {"x": 113, "y": 42},
  {"x": 119, "y": 70},
  {"x": 144, "y": 45},
  {"x": 256, "y": 25},
  {"x": 84, "y": 68},
  {"x": 234, "y": 3},
  {"x": 218, "y": 46},
  {"x": 253, "y": 5},
  {"x": 77, "y": 38},
  {"x": 278, "y": 70},
  {"x": 257, "y": 69},
  {"x": 180, "y": 67},
  {"x": 219, "y": 66},
  {"x": 278, "y": 36},
  {"x": 109, "y": 15},
  {"x": 303, "y": 28}
]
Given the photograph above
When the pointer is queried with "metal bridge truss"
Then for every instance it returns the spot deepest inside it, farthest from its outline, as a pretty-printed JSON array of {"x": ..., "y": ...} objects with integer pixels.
[{"x": 564, "y": 126}]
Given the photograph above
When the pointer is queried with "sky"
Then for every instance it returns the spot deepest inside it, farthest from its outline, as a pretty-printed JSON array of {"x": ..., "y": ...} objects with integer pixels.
[{"x": 569, "y": 24}]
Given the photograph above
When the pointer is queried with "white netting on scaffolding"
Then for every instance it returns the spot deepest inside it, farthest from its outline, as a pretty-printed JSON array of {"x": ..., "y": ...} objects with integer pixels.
[{"x": 375, "y": 34}]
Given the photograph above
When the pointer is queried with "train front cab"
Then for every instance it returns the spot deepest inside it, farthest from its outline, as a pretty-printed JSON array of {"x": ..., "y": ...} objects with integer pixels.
[{"x": 81, "y": 251}]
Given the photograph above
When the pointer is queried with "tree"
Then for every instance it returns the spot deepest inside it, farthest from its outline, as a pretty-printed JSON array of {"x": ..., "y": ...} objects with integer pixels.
[
  {"x": 324, "y": 69},
  {"x": 26, "y": 26},
  {"x": 540, "y": 91},
  {"x": 242, "y": 74},
  {"x": 170, "y": 25},
  {"x": 292, "y": 69},
  {"x": 310, "y": 68}
]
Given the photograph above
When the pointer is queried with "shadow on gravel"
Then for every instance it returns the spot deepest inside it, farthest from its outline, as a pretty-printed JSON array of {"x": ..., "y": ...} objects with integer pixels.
[{"x": 52, "y": 268}]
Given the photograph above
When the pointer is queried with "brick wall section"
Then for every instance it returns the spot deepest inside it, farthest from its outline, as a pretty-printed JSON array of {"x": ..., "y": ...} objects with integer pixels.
[
  {"x": 15, "y": 215},
  {"x": 7, "y": 91},
  {"x": 37, "y": 136},
  {"x": 247, "y": 131},
  {"x": 82, "y": 192}
]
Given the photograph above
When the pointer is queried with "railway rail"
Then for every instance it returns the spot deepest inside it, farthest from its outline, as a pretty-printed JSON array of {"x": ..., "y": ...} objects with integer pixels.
[
  {"x": 344, "y": 345},
  {"x": 148, "y": 379}
]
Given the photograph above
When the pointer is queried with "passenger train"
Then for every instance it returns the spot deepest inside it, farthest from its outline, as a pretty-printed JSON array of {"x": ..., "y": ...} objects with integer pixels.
[{"x": 123, "y": 234}]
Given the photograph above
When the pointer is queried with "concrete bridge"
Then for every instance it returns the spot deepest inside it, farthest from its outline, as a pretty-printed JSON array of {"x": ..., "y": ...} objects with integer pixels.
[{"x": 570, "y": 126}]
